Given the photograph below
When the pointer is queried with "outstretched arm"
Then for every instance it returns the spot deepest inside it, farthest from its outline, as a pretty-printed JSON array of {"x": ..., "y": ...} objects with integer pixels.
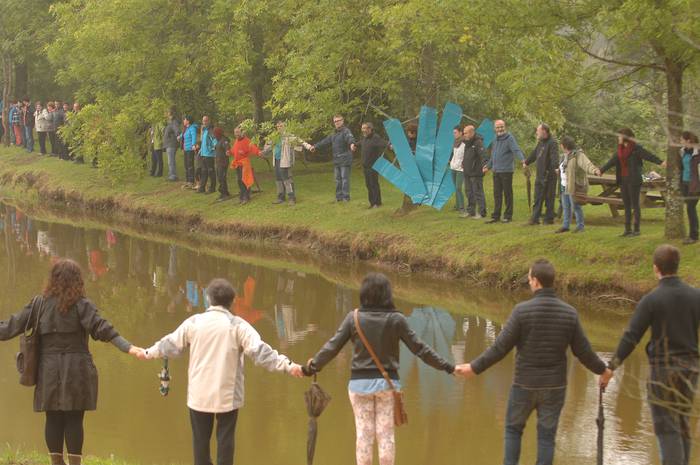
[
  {"x": 331, "y": 348},
  {"x": 173, "y": 344},
  {"x": 14, "y": 326},
  {"x": 260, "y": 352},
  {"x": 99, "y": 328}
]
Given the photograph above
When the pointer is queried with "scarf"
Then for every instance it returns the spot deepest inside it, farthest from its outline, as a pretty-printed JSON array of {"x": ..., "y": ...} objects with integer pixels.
[{"x": 623, "y": 154}]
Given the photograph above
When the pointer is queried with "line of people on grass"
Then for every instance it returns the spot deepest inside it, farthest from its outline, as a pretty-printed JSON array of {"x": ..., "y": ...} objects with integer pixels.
[
  {"x": 25, "y": 120},
  {"x": 541, "y": 329}
]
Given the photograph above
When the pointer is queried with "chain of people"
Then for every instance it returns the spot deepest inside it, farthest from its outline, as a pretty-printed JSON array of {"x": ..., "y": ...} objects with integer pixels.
[
  {"x": 221, "y": 335},
  {"x": 562, "y": 168}
]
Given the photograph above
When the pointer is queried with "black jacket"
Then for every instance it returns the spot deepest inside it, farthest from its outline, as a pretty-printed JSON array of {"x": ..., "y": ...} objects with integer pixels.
[
  {"x": 546, "y": 156},
  {"x": 371, "y": 148},
  {"x": 67, "y": 377},
  {"x": 634, "y": 164},
  {"x": 475, "y": 157},
  {"x": 542, "y": 329},
  {"x": 384, "y": 330},
  {"x": 673, "y": 312}
]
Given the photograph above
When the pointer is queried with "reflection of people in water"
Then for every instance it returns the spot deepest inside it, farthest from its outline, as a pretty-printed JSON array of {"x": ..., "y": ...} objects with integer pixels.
[
  {"x": 286, "y": 314},
  {"x": 243, "y": 305},
  {"x": 96, "y": 259}
]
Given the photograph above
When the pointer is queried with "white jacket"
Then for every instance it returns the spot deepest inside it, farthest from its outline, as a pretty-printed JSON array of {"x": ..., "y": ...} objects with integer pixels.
[{"x": 218, "y": 340}]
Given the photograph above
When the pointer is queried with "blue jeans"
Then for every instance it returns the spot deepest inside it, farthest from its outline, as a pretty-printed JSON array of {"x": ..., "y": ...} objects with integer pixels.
[
  {"x": 342, "y": 182},
  {"x": 548, "y": 404},
  {"x": 29, "y": 138},
  {"x": 568, "y": 207},
  {"x": 172, "y": 174}
]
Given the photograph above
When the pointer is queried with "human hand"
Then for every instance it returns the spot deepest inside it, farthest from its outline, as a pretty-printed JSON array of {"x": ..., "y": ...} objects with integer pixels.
[
  {"x": 353, "y": 147},
  {"x": 663, "y": 164},
  {"x": 597, "y": 172},
  {"x": 137, "y": 352},
  {"x": 524, "y": 165},
  {"x": 464, "y": 370},
  {"x": 296, "y": 371},
  {"x": 484, "y": 170},
  {"x": 605, "y": 378}
]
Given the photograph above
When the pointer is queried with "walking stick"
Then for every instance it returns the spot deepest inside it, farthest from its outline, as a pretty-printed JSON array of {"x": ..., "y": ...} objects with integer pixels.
[{"x": 600, "y": 421}]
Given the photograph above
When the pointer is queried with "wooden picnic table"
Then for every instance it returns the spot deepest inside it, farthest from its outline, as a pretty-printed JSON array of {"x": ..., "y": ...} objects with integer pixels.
[{"x": 652, "y": 194}]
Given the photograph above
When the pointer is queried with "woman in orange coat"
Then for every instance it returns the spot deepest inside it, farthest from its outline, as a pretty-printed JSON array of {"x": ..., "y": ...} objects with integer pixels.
[{"x": 241, "y": 151}]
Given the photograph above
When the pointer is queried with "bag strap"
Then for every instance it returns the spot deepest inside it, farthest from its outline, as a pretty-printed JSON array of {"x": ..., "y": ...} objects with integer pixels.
[
  {"x": 38, "y": 316},
  {"x": 370, "y": 350}
]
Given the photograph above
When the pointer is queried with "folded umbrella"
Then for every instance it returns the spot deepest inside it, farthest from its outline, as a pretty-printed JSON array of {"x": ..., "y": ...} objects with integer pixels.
[
  {"x": 316, "y": 401},
  {"x": 600, "y": 421}
]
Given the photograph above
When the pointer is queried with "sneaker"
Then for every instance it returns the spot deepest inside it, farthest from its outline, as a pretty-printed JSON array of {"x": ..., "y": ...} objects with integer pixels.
[
  {"x": 477, "y": 217},
  {"x": 278, "y": 201},
  {"x": 292, "y": 202},
  {"x": 634, "y": 233},
  {"x": 492, "y": 221},
  {"x": 506, "y": 220},
  {"x": 578, "y": 230},
  {"x": 689, "y": 240},
  {"x": 186, "y": 186},
  {"x": 561, "y": 230},
  {"x": 466, "y": 215}
]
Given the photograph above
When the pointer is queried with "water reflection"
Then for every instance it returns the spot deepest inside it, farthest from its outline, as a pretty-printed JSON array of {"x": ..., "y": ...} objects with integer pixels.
[{"x": 147, "y": 288}]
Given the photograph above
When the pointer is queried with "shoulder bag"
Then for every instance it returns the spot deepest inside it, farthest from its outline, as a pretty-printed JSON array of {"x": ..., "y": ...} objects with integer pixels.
[{"x": 27, "y": 358}]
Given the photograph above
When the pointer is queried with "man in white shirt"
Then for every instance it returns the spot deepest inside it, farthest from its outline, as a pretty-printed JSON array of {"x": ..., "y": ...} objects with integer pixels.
[{"x": 218, "y": 340}]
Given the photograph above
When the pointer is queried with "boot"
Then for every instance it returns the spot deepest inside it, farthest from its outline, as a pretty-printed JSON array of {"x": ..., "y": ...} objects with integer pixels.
[
  {"x": 74, "y": 459},
  {"x": 56, "y": 459}
]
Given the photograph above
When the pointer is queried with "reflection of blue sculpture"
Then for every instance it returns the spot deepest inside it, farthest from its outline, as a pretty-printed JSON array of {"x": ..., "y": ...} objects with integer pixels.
[
  {"x": 425, "y": 177},
  {"x": 437, "y": 329}
]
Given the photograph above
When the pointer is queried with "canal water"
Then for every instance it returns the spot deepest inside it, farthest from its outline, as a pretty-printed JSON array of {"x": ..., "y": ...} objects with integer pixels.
[{"x": 146, "y": 287}]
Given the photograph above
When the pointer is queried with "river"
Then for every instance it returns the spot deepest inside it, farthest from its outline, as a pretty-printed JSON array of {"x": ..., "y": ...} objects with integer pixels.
[{"x": 146, "y": 287}]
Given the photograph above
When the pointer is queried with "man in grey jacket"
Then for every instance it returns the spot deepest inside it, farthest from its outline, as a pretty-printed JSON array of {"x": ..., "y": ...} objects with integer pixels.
[
  {"x": 170, "y": 143},
  {"x": 503, "y": 152},
  {"x": 342, "y": 144},
  {"x": 542, "y": 329},
  {"x": 546, "y": 159}
]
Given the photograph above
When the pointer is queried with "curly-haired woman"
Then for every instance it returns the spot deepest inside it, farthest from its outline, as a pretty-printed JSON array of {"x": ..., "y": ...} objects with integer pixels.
[{"x": 66, "y": 377}]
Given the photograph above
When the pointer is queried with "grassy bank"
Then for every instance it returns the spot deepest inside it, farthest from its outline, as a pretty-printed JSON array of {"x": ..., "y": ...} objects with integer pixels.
[
  {"x": 19, "y": 457},
  {"x": 441, "y": 243}
]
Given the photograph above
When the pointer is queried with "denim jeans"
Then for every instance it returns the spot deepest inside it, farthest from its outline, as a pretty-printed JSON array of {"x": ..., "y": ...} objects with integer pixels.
[
  {"x": 172, "y": 174},
  {"x": 569, "y": 207},
  {"x": 673, "y": 387},
  {"x": 29, "y": 138},
  {"x": 521, "y": 403},
  {"x": 458, "y": 180},
  {"x": 342, "y": 182}
]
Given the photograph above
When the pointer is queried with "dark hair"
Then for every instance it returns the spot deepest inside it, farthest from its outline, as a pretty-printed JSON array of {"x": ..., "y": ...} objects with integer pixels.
[
  {"x": 457, "y": 128},
  {"x": 568, "y": 142},
  {"x": 218, "y": 133},
  {"x": 667, "y": 258},
  {"x": 65, "y": 284},
  {"x": 375, "y": 292},
  {"x": 369, "y": 125},
  {"x": 627, "y": 134},
  {"x": 220, "y": 293},
  {"x": 412, "y": 127},
  {"x": 543, "y": 270},
  {"x": 546, "y": 127},
  {"x": 690, "y": 136}
]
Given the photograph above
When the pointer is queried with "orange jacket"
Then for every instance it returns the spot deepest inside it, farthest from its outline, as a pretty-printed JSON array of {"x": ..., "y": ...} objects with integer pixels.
[{"x": 242, "y": 149}]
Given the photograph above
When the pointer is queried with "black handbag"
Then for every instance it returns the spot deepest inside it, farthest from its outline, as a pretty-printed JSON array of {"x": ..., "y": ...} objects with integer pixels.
[{"x": 27, "y": 359}]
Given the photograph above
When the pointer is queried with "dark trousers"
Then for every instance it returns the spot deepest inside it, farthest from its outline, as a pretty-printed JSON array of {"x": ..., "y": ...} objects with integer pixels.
[
  {"x": 374, "y": 194},
  {"x": 630, "y": 199},
  {"x": 243, "y": 191},
  {"x": 189, "y": 166},
  {"x": 221, "y": 172},
  {"x": 55, "y": 150},
  {"x": 475, "y": 195},
  {"x": 691, "y": 208},
  {"x": 64, "y": 427},
  {"x": 203, "y": 426},
  {"x": 208, "y": 174},
  {"x": 521, "y": 403},
  {"x": 670, "y": 393},
  {"x": 42, "y": 142},
  {"x": 157, "y": 162},
  {"x": 502, "y": 187},
  {"x": 545, "y": 194}
]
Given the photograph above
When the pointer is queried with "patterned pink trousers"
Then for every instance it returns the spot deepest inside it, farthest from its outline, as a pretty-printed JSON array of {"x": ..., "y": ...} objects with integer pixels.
[{"x": 374, "y": 417}]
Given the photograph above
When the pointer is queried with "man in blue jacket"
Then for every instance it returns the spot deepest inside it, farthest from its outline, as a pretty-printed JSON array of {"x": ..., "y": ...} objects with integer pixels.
[
  {"x": 503, "y": 152},
  {"x": 342, "y": 145},
  {"x": 206, "y": 151}
]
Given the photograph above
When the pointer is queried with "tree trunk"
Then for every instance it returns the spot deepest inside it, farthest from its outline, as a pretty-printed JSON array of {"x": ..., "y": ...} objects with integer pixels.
[
  {"x": 21, "y": 81},
  {"x": 6, "y": 93},
  {"x": 258, "y": 70},
  {"x": 674, "y": 204}
]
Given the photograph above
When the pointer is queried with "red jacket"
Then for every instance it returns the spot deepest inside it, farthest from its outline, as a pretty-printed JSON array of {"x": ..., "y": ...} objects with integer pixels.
[{"x": 241, "y": 150}]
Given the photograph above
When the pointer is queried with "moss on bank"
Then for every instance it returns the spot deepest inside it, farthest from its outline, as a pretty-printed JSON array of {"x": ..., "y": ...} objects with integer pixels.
[{"x": 440, "y": 243}]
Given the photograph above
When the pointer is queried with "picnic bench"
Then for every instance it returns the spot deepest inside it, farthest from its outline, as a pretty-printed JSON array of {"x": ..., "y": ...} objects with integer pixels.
[{"x": 652, "y": 194}]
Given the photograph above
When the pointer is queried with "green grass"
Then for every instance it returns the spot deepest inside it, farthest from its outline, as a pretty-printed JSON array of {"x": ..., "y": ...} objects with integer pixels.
[
  {"x": 425, "y": 239},
  {"x": 12, "y": 456}
]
